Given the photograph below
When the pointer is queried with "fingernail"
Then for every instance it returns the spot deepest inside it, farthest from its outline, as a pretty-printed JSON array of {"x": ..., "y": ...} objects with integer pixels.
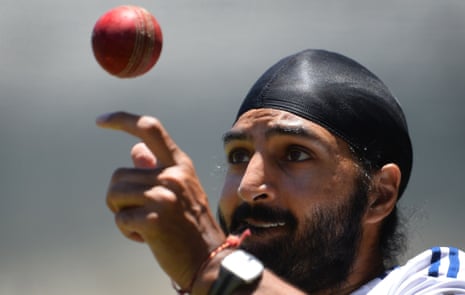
[{"x": 103, "y": 118}]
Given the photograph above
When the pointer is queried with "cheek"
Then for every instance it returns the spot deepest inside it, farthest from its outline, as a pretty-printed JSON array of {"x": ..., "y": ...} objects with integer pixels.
[
  {"x": 229, "y": 199},
  {"x": 324, "y": 184},
  {"x": 310, "y": 193}
]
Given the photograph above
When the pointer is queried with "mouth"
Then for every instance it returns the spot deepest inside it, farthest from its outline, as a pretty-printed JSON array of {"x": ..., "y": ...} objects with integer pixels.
[
  {"x": 263, "y": 224},
  {"x": 261, "y": 227},
  {"x": 262, "y": 221}
]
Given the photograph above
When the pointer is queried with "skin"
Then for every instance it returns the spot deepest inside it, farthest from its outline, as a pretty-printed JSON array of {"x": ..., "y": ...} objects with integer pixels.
[
  {"x": 161, "y": 202},
  {"x": 284, "y": 170}
]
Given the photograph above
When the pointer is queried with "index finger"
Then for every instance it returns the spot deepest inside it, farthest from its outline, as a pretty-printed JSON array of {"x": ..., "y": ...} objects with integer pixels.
[{"x": 149, "y": 130}]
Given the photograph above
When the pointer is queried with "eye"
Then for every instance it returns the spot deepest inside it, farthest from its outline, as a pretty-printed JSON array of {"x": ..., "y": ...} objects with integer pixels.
[
  {"x": 297, "y": 154},
  {"x": 239, "y": 156}
]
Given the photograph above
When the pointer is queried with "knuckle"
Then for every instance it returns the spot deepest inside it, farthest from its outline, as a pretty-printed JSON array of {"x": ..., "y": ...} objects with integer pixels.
[
  {"x": 124, "y": 218},
  {"x": 150, "y": 124},
  {"x": 109, "y": 201},
  {"x": 135, "y": 217},
  {"x": 177, "y": 174},
  {"x": 152, "y": 218},
  {"x": 161, "y": 195},
  {"x": 119, "y": 173}
]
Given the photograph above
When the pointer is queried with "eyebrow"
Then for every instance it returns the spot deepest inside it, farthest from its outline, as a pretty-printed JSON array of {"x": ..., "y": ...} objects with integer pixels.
[
  {"x": 277, "y": 130},
  {"x": 234, "y": 135}
]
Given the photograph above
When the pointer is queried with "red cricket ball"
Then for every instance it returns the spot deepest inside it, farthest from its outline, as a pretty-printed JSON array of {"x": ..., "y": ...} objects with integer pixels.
[{"x": 127, "y": 41}]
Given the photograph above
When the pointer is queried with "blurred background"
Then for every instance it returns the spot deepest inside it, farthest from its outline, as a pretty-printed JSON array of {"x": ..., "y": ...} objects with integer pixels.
[{"x": 56, "y": 235}]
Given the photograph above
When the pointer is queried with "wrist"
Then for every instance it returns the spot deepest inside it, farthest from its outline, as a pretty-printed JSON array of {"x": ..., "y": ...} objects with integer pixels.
[
  {"x": 210, "y": 274},
  {"x": 231, "y": 242},
  {"x": 239, "y": 270}
]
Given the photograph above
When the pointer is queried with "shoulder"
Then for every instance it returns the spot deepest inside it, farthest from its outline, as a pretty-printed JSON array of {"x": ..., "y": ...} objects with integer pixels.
[{"x": 437, "y": 270}]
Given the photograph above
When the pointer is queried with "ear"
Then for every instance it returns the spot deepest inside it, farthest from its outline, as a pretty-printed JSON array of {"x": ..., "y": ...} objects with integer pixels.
[{"x": 382, "y": 197}]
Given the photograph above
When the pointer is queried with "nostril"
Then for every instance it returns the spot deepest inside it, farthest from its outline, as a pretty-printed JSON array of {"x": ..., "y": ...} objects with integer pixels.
[{"x": 260, "y": 197}]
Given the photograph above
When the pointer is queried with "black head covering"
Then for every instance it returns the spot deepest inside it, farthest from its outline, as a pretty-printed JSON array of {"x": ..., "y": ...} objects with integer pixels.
[{"x": 344, "y": 97}]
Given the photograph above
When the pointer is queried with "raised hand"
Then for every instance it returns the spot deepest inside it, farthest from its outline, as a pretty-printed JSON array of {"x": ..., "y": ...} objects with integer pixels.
[{"x": 160, "y": 201}]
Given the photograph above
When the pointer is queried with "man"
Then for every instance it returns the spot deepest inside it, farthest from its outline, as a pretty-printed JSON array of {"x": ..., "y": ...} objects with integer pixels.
[{"x": 318, "y": 157}]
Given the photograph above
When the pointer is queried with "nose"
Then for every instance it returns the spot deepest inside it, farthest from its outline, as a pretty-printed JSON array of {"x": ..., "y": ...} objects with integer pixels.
[{"x": 256, "y": 184}]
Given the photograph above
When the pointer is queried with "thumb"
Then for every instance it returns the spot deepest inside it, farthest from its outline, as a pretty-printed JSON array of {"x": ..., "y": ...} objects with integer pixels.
[{"x": 142, "y": 157}]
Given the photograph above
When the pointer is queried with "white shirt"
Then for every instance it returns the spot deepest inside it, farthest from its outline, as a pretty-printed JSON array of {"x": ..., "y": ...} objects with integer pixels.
[{"x": 439, "y": 270}]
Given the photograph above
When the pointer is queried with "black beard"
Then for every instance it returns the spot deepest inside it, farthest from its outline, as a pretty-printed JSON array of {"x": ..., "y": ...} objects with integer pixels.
[{"x": 321, "y": 256}]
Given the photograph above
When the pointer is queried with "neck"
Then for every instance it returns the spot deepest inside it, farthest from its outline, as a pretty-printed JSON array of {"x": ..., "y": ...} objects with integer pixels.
[
  {"x": 357, "y": 278},
  {"x": 367, "y": 265}
]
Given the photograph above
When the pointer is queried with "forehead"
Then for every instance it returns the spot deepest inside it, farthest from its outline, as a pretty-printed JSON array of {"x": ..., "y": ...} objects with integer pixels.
[
  {"x": 257, "y": 117},
  {"x": 261, "y": 119},
  {"x": 262, "y": 123}
]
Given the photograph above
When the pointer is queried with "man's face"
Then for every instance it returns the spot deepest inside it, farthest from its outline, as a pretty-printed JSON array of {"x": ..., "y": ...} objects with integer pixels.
[{"x": 297, "y": 188}]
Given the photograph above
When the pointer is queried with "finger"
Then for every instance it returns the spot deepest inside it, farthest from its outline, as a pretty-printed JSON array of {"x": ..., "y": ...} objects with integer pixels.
[
  {"x": 125, "y": 195},
  {"x": 149, "y": 130},
  {"x": 142, "y": 157},
  {"x": 128, "y": 186},
  {"x": 142, "y": 222},
  {"x": 136, "y": 175},
  {"x": 132, "y": 222},
  {"x": 130, "y": 190}
]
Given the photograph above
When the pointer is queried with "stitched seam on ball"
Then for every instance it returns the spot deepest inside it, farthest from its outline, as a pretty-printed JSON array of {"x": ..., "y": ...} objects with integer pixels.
[
  {"x": 135, "y": 58},
  {"x": 149, "y": 46}
]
